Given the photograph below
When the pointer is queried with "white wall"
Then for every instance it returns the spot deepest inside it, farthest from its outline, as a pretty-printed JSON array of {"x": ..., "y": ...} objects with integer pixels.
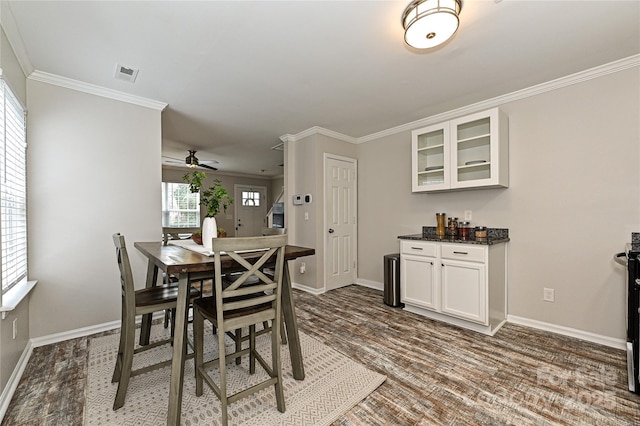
[
  {"x": 573, "y": 201},
  {"x": 94, "y": 169}
]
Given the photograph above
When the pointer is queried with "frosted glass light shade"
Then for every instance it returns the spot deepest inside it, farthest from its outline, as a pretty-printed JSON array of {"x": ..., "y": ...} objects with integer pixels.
[{"x": 428, "y": 23}]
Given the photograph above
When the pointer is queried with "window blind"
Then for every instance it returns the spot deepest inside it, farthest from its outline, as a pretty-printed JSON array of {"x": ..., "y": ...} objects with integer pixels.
[
  {"x": 180, "y": 207},
  {"x": 13, "y": 189}
]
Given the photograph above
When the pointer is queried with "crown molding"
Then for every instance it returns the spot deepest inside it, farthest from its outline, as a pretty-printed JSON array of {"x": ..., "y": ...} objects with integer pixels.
[
  {"x": 579, "y": 77},
  {"x": 92, "y": 89},
  {"x": 316, "y": 130}
]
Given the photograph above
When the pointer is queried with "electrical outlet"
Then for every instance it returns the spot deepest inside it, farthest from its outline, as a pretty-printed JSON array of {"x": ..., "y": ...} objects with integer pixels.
[
  {"x": 303, "y": 268},
  {"x": 15, "y": 328},
  {"x": 306, "y": 215},
  {"x": 549, "y": 295},
  {"x": 467, "y": 215}
]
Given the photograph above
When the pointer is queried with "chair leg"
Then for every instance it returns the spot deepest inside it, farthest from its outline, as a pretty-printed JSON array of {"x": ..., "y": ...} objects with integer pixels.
[
  {"x": 198, "y": 343},
  {"x": 126, "y": 363},
  {"x": 173, "y": 324},
  {"x": 167, "y": 313},
  {"x": 252, "y": 348},
  {"x": 118, "y": 367},
  {"x": 276, "y": 367},
  {"x": 238, "y": 339},
  {"x": 223, "y": 378},
  {"x": 283, "y": 331}
]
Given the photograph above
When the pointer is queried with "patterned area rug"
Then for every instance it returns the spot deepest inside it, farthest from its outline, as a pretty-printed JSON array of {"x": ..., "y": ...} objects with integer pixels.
[{"x": 333, "y": 384}]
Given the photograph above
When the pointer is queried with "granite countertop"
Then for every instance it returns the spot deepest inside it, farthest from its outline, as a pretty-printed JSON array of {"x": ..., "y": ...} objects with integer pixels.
[{"x": 494, "y": 236}]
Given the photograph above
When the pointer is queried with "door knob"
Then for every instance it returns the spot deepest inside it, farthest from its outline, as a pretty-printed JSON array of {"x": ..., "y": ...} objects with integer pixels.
[{"x": 331, "y": 231}]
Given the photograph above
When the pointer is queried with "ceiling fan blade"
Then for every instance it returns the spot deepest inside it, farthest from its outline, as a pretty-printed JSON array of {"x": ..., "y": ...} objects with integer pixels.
[{"x": 206, "y": 166}]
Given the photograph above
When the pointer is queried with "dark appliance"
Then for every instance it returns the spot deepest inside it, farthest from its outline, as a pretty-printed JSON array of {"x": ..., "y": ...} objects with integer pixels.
[{"x": 630, "y": 258}]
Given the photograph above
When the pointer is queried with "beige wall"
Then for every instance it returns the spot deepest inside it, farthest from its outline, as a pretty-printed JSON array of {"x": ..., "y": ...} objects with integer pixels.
[
  {"x": 308, "y": 171},
  {"x": 573, "y": 201},
  {"x": 11, "y": 70},
  {"x": 276, "y": 186},
  {"x": 226, "y": 221},
  {"x": 94, "y": 169},
  {"x": 11, "y": 349}
]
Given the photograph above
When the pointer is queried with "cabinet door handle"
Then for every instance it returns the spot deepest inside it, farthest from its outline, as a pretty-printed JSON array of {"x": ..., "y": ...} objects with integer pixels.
[
  {"x": 416, "y": 248},
  {"x": 460, "y": 252}
]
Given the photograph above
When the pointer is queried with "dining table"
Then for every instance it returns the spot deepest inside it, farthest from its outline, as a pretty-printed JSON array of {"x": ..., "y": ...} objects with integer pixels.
[{"x": 190, "y": 265}]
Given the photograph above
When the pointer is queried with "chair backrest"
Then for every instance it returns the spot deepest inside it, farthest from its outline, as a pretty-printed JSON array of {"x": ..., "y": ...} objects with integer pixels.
[
  {"x": 274, "y": 231},
  {"x": 173, "y": 233},
  {"x": 259, "y": 301},
  {"x": 126, "y": 276}
]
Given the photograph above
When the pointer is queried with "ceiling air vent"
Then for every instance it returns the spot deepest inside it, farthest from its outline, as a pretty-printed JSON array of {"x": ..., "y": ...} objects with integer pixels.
[{"x": 126, "y": 73}]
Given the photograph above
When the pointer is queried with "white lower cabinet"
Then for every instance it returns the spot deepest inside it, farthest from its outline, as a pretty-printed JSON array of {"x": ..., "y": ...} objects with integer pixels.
[
  {"x": 420, "y": 288},
  {"x": 462, "y": 284},
  {"x": 464, "y": 290}
]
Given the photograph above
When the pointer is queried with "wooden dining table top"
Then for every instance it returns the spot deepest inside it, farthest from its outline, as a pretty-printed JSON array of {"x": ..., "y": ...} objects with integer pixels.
[{"x": 175, "y": 259}]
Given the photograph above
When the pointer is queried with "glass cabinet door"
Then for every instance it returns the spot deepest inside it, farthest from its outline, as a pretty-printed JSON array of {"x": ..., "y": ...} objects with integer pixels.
[
  {"x": 477, "y": 156},
  {"x": 467, "y": 152},
  {"x": 430, "y": 149}
]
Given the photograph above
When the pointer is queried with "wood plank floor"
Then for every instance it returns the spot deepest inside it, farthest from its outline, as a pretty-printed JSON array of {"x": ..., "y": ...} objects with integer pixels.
[{"x": 436, "y": 374}]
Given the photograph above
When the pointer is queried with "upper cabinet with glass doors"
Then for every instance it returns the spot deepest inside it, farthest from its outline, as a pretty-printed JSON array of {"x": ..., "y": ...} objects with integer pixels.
[{"x": 468, "y": 152}]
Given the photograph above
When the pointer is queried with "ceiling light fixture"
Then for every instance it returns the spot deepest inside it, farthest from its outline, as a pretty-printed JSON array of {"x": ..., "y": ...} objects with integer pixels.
[{"x": 428, "y": 23}]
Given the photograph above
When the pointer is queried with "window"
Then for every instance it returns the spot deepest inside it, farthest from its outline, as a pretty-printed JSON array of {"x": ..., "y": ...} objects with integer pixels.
[
  {"x": 251, "y": 198},
  {"x": 13, "y": 189},
  {"x": 180, "y": 207}
]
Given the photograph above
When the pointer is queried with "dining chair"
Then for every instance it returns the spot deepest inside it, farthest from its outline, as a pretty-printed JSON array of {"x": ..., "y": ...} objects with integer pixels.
[
  {"x": 134, "y": 303},
  {"x": 274, "y": 231},
  {"x": 237, "y": 336},
  {"x": 235, "y": 306},
  {"x": 176, "y": 233}
]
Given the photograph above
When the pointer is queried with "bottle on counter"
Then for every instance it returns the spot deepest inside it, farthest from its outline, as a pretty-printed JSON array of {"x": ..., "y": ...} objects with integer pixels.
[
  {"x": 440, "y": 219},
  {"x": 481, "y": 233},
  {"x": 453, "y": 227},
  {"x": 464, "y": 230}
]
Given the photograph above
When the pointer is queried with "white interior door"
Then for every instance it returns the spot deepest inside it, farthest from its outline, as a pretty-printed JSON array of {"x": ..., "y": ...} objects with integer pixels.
[
  {"x": 250, "y": 210},
  {"x": 340, "y": 221}
]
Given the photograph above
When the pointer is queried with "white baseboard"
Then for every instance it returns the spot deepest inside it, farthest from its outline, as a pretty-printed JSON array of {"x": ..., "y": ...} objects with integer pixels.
[
  {"x": 364, "y": 283},
  {"x": 14, "y": 380},
  {"x": 307, "y": 289},
  {"x": 571, "y": 332},
  {"x": 73, "y": 334},
  {"x": 370, "y": 284}
]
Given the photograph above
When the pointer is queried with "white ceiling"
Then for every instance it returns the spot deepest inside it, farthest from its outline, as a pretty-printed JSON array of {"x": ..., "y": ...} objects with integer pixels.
[{"x": 237, "y": 75}]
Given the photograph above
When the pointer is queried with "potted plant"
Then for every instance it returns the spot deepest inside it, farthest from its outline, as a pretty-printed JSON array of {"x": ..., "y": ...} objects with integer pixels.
[
  {"x": 197, "y": 237},
  {"x": 214, "y": 199}
]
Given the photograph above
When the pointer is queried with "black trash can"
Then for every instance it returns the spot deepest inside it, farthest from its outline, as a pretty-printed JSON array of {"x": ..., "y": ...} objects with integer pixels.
[{"x": 392, "y": 280}]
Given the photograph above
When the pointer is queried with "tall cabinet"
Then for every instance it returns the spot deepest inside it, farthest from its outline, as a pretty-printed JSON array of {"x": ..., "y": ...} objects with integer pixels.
[{"x": 468, "y": 152}]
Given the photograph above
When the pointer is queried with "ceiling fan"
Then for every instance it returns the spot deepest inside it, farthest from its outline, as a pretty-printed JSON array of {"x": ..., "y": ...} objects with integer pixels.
[{"x": 192, "y": 161}]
